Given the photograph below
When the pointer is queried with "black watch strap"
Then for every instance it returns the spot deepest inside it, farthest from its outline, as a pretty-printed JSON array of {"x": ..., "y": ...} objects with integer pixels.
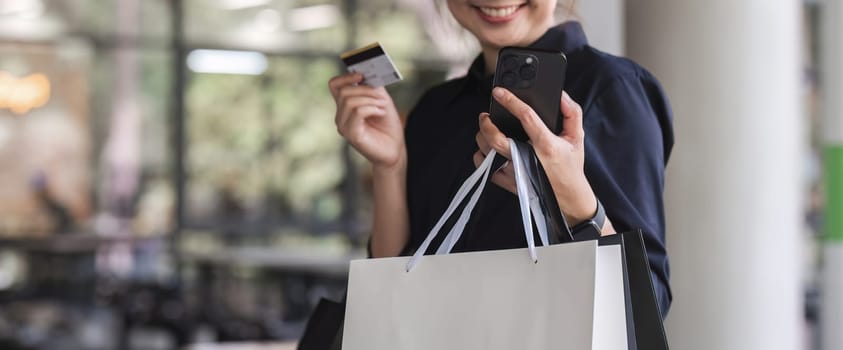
[{"x": 591, "y": 228}]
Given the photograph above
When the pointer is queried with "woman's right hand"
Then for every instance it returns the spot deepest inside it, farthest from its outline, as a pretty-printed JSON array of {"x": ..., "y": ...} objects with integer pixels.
[{"x": 368, "y": 119}]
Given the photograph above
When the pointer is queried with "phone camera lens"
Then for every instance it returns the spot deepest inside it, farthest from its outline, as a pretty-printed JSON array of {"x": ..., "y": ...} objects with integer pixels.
[
  {"x": 508, "y": 79},
  {"x": 527, "y": 72},
  {"x": 510, "y": 62}
]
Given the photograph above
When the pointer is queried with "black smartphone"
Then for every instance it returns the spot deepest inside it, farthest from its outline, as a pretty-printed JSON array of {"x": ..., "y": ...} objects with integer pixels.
[{"x": 537, "y": 78}]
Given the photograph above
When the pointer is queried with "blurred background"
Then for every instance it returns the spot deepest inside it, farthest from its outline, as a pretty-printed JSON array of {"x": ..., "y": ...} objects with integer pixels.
[{"x": 171, "y": 177}]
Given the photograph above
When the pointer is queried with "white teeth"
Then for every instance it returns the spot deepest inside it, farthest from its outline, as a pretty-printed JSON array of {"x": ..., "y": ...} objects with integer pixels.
[{"x": 499, "y": 11}]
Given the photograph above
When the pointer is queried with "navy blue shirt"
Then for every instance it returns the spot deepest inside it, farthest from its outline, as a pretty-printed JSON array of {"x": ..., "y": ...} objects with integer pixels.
[{"x": 629, "y": 135}]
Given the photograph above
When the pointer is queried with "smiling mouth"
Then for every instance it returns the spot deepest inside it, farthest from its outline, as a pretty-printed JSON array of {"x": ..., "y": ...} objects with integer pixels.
[{"x": 499, "y": 12}]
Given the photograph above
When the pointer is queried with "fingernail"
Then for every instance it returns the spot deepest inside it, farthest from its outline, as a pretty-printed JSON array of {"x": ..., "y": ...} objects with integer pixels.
[
  {"x": 566, "y": 96},
  {"x": 498, "y": 92},
  {"x": 483, "y": 114}
]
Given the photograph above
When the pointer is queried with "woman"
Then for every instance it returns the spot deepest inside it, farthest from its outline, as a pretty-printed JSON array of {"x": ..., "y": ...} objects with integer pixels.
[{"x": 614, "y": 144}]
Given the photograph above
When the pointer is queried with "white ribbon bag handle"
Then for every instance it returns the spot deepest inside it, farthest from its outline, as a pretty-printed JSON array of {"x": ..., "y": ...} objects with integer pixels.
[{"x": 527, "y": 199}]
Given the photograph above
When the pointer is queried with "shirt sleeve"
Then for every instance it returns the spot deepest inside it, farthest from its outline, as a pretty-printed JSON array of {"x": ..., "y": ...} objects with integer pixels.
[{"x": 628, "y": 140}]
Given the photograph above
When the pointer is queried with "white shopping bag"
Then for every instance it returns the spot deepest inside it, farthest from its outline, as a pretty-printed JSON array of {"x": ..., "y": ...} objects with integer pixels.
[{"x": 567, "y": 296}]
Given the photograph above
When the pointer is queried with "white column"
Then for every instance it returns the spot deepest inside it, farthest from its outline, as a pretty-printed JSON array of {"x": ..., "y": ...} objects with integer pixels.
[
  {"x": 832, "y": 73},
  {"x": 734, "y": 183},
  {"x": 603, "y": 21}
]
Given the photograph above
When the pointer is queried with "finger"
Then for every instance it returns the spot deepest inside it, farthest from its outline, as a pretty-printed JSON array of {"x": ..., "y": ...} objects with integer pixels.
[
  {"x": 350, "y": 103},
  {"x": 493, "y": 137},
  {"x": 571, "y": 118},
  {"x": 338, "y": 82},
  {"x": 478, "y": 158},
  {"x": 530, "y": 121},
  {"x": 505, "y": 178},
  {"x": 350, "y": 91},
  {"x": 508, "y": 172},
  {"x": 482, "y": 145},
  {"x": 359, "y": 114},
  {"x": 353, "y": 123},
  {"x": 504, "y": 165}
]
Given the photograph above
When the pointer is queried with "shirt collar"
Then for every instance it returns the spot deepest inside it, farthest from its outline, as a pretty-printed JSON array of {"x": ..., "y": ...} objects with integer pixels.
[{"x": 566, "y": 37}]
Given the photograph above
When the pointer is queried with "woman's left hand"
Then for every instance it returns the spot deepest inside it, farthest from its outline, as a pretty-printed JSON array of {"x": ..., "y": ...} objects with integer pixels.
[{"x": 562, "y": 156}]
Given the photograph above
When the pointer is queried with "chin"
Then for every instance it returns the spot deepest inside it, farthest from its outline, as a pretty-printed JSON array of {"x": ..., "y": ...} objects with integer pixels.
[
  {"x": 493, "y": 39},
  {"x": 505, "y": 22}
]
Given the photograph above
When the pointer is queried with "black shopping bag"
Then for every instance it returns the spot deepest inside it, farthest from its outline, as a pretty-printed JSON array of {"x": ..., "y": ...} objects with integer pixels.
[
  {"x": 645, "y": 329},
  {"x": 324, "y": 328}
]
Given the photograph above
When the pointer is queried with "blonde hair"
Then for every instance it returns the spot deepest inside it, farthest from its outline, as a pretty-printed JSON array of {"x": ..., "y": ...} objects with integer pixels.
[{"x": 566, "y": 10}]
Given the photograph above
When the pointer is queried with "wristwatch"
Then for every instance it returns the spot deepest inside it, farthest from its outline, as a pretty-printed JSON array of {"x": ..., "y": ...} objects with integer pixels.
[{"x": 591, "y": 228}]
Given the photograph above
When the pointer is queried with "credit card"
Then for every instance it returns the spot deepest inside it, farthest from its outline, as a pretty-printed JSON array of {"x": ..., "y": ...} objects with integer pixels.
[{"x": 374, "y": 63}]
